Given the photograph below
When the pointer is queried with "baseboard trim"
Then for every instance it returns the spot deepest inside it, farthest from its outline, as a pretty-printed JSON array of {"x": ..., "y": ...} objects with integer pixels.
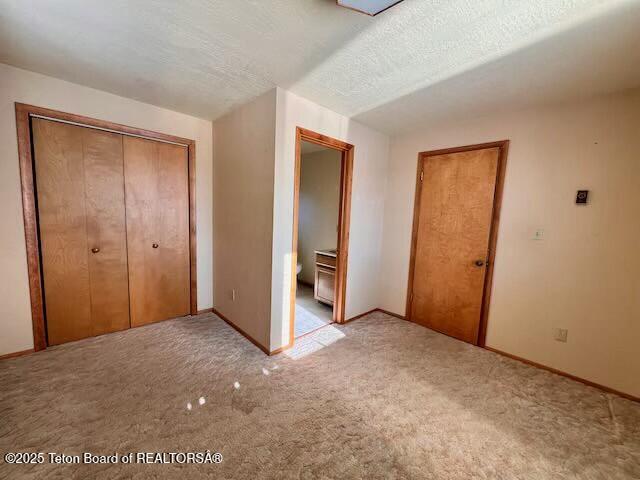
[
  {"x": 241, "y": 332},
  {"x": 564, "y": 374},
  {"x": 386, "y": 312},
  {"x": 288, "y": 346},
  {"x": 16, "y": 354},
  {"x": 397, "y": 315},
  {"x": 494, "y": 350},
  {"x": 280, "y": 350},
  {"x": 528, "y": 362},
  {"x": 360, "y": 316}
]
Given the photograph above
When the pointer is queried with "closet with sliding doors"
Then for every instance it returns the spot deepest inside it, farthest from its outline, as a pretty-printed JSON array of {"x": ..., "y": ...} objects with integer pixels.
[{"x": 114, "y": 229}]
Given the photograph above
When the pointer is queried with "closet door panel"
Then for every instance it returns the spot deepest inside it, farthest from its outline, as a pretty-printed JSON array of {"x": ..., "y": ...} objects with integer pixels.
[
  {"x": 106, "y": 231},
  {"x": 60, "y": 191},
  {"x": 156, "y": 186},
  {"x": 140, "y": 174},
  {"x": 173, "y": 229}
]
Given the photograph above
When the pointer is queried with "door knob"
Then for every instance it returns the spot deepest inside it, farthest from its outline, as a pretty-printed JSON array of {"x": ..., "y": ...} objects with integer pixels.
[
  {"x": 95, "y": 250},
  {"x": 155, "y": 245},
  {"x": 479, "y": 263}
]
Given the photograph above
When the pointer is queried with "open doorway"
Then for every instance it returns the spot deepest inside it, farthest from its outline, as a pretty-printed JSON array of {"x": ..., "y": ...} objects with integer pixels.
[{"x": 321, "y": 231}]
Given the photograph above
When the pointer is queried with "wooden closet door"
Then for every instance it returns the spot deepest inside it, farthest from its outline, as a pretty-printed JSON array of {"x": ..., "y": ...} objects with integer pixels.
[
  {"x": 62, "y": 216},
  {"x": 157, "y": 200},
  {"x": 455, "y": 210},
  {"x": 80, "y": 189},
  {"x": 106, "y": 231}
]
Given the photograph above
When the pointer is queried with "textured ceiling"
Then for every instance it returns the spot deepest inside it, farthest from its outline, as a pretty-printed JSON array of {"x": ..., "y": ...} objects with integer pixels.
[
  {"x": 601, "y": 55},
  {"x": 205, "y": 57}
]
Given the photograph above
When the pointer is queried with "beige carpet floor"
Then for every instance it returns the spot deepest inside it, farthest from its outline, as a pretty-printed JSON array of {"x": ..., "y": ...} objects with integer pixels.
[{"x": 378, "y": 398}]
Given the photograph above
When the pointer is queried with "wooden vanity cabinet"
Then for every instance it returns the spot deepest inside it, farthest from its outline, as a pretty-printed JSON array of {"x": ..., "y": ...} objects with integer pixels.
[{"x": 325, "y": 278}]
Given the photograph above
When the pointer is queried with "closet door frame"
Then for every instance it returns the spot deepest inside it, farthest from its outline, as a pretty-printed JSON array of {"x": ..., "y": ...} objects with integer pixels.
[{"x": 24, "y": 113}]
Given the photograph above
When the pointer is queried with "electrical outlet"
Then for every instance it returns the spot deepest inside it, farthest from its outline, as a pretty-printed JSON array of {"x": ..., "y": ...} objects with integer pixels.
[
  {"x": 233, "y": 295},
  {"x": 538, "y": 234},
  {"x": 561, "y": 334}
]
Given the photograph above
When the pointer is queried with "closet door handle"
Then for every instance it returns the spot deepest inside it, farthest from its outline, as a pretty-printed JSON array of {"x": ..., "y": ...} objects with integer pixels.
[
  {"x": 155, "y": 245},
  {"x": 95, "y": 250}
]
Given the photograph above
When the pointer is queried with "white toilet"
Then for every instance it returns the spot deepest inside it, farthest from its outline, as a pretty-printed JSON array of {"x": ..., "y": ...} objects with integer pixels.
[{"x": 298, "y": 268}]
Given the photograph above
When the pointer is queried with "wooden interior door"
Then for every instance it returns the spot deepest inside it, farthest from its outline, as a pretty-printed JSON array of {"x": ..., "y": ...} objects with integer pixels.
[
  {"x": 157, "y": 199},
  {"x": 452, "y": 226},
  {"x": 80, "y": 190}
]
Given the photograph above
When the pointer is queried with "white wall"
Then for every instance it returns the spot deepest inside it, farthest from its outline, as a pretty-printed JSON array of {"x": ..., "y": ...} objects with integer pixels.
[
  {"x": 319, "y": 206},
  {"x": 367, "y": 200},
  {"x": 26, "y": 87},
  {"x": 585, "y": 274},
  {"x": 243, "y": 164}
]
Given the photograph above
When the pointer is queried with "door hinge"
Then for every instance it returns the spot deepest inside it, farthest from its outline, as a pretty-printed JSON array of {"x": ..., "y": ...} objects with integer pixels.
[{"x": 422, "y": 175}]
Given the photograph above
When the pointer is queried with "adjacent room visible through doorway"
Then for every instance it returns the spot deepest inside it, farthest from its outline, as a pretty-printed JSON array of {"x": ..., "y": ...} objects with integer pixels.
[
  {"x": 321, "y": 215},
  {"x": 318, "y": 207}
]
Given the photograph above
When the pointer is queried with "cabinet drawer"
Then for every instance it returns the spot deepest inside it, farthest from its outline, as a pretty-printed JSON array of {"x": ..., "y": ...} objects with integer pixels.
[{"x": 325, "y": 260}]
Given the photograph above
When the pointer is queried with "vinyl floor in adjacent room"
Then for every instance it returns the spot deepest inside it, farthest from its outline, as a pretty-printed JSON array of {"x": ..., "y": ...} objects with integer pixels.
[
  {"x": 310, "y": 314},
  {"x": 378, "y": 398}
]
